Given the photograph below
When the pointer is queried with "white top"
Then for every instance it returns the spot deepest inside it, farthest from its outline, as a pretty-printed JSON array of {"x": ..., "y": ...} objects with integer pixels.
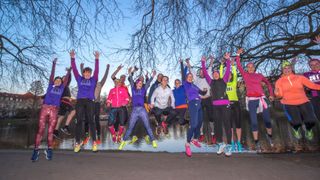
[
  {"x": 202, "y": 84},
  {"x": 160, "y": 97}
]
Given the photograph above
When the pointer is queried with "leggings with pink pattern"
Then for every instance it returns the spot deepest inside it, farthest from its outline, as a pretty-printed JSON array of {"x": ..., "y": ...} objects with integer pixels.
[{"x": 47, "y": 112}]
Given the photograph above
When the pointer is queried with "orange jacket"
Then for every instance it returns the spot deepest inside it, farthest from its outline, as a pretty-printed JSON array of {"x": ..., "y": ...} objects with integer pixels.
[{"x": 291, "y": 89}]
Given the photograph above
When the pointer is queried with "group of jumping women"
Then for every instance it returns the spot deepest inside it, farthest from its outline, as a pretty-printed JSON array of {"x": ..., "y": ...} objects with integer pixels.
[{"x": 209, "y": 96}]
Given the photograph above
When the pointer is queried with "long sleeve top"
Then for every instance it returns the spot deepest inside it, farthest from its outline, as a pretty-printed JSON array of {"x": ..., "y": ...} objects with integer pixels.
[
  {"x": 86, "y": 87},
  {"x": 160, "y": 97},
  {"x": 54, "y": 93},
  {"x": 291, "y": 89},
  {"x": 313, "y": 76},
  {"x": 253, "y": 82},
  {"x": 118, "y": 97}
]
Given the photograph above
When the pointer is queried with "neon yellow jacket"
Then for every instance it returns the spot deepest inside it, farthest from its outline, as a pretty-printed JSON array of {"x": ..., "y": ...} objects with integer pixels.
[{"x": 231, "y": 86}]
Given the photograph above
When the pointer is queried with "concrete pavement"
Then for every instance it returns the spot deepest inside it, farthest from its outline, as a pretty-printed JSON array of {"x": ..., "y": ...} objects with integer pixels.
[{"x": 16, "y": 164}]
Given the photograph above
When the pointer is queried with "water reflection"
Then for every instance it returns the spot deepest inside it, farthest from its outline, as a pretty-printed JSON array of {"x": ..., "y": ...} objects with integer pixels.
[{"x": 22, "y": 135}]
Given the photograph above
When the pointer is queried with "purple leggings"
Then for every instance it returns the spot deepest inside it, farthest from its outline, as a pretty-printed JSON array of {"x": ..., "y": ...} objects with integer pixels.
[
  {"x": 47, "y": 112},
  {"x": 139, "y": 113}
]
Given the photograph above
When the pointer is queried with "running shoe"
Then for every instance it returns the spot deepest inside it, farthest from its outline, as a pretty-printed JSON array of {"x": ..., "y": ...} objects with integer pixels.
[
  {"x": 77, "y": 147},
  {"x": 164, "y": 127},
  {"x": 147, "y": 139},
  {"x": 98, "y": 141},
  {"x": 258, "y": 147},
  {"x": 239, "y": 146},
  {"x": 66, "y": 130},
  {"x": 133, "y": 140},
  {"x": 56, "y": 134},
  {"x": 86, "y": 140},
  {"x": 48, "y": 153},
  {"x": 309, "y": 134},
  {"x": 122, "y": 145},
  {"x": 269, "y": 139},
  {"x": 221, "y": 147},
  {"x": 297, "y": 133},
  {"x": 35, "y": 155},
  {"x": 213, "y": 139},
  {"x": 201, "y": 138},
  {"x": 228, "y": 150},
  {"x": 158, "y": 130},
  {"x": 196, "y": 143},
  {"x": 233, "y": 146},
  {"x": 188, "y": 151},
  {"x": 94, "y": 146},
  {"x": 154, "y": 144}
]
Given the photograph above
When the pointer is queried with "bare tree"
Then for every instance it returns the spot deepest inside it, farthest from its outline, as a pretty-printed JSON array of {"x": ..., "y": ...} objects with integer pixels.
[
  {"x": 268, "y": 30},
  {"x": 31, "y": 31}
]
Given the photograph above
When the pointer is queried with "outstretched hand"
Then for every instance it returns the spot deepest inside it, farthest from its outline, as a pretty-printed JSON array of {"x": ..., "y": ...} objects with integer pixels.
[
  {"x": 317, "y": 39},
  {"x": 154, "y": 72},
  {"x": 211, "y": 59},
  {"x": 119, "y": 67},
  {"x": 226, "y": 55},
  {"x": 203, "y": 58},
  {"x": 96, "y": 54},
  {"x": 55, "y": 60},
  {"x": 72, "y": 53},
  {"x": 240, "y": 51},
  {"x": 130, "y": 70}
]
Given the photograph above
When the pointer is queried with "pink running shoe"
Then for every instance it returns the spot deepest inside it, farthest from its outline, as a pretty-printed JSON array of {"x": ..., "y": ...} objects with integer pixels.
[
  {"x": 213, "y": 139},
  {"x": 196, "y": 143},
  {"x": 201, "y": 138},
  {"x": 188, "y": 151}
]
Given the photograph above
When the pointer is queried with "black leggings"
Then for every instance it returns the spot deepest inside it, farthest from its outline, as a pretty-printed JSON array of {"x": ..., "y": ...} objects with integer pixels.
[
  {"x": 167, "y": 112},
  {"x": 316, "y": 106},
  {"x": 305, "y": 110},
  {"x": 222, "y": 117},
  {"x": 236, "y": 114},
  {"x": 96, "y": 119},
  {"x": 180, "y": 114},
  {"x": 84, "y": 109},
  {"x": 207, "y": 109}
]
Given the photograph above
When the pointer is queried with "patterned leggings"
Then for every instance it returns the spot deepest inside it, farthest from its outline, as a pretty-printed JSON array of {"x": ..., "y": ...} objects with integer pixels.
[{"x": 50, "y": 113}]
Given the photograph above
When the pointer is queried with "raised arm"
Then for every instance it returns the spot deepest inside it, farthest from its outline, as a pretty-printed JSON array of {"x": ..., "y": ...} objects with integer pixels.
[
  {"x": 81, "y": 67},
  {"x": 66, "y": 82},
  {"x": 113, "y": 76},
  {"x": 96, "y": 65},
  {"x": 204, "y": 70},
  {"x": 234, "y": 73},
  {"x": 227, "y": 73},
  {"x": 73, "y": 64},
  {"x": 130, "y": 77},
  {"x": 183, "y": 75},
  {"x": 103, "y": 80},
  {"x": 53, "y": 69},
  {"x": 150, "y": 80},
  {"x": 241, "y": 70}
]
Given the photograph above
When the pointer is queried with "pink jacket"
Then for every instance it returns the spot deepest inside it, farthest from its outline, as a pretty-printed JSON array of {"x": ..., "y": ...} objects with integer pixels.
[
  {"x": 253, "y": 82},
  {"x": 118, "y": 97}
]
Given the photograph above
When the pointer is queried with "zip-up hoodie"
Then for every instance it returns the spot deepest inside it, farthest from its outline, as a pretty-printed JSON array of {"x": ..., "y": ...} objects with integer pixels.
[
  {"x": 118, "y": 97},
  {"x": 291, "y": 89}
]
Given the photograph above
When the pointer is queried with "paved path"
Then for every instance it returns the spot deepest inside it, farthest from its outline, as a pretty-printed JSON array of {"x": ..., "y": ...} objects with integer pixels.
[{"x": 15, "y": 164}]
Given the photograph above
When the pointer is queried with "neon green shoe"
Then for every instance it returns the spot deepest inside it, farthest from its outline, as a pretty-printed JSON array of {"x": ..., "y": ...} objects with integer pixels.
[
  {"x": 134, "y": 139},
  {"x": 154, "y": 144},
  {"x": 147, "y": 139},
  {"x": 122, "y": 145},
  {"x": 309, "y": 134},
  {"x": 296, "y": 133},
  {"x": 77, "y": 147},
  {"x": 94, "y": 147}
]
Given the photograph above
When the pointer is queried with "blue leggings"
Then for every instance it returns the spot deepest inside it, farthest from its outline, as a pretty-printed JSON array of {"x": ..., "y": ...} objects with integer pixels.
[
  {"x": 253, "y": 106},
  {"x": 139, "y": 113},
  {"x": 195, "y": 119}
]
